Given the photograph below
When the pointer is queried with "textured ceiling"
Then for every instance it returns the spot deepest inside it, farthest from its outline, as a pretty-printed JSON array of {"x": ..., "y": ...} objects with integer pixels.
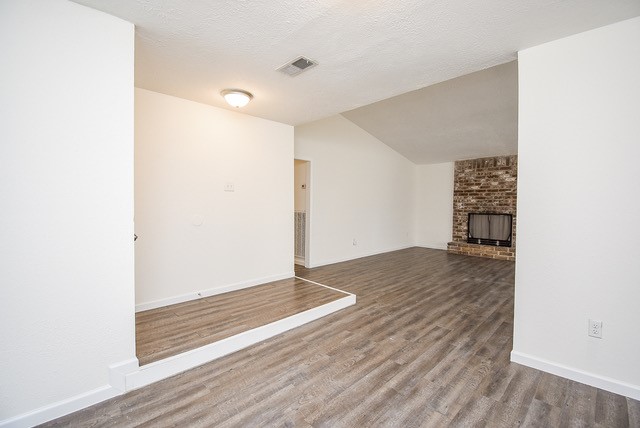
[
  {"x": 472, "y": 116},
  {"x": 367, "y": 50}
]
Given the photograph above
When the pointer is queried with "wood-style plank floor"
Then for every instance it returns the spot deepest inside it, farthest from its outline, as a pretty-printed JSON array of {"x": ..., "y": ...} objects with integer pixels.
[
  {"x": 163, "y": 332},
  {"x": 427, "y": 344}
]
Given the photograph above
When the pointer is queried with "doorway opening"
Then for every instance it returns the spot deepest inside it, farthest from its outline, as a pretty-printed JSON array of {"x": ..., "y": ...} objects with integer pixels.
[{"x": 301, "y": 210}]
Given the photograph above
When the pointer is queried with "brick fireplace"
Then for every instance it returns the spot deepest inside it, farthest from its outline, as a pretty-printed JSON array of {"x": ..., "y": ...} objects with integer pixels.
[{"x": 486, "y": 185}]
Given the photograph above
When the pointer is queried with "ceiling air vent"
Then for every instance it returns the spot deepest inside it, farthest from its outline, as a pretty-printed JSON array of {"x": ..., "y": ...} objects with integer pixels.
[{"x": 297, "y": 66}]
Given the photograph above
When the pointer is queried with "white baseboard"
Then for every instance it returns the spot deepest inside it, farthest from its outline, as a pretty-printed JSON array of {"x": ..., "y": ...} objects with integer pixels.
[
  {"x": 61, "y": 408},
  {"x": 602, "y": 382},
  {"x": 118, "y": 372},
  {"x": 210, "y": 292},
  {"x": 168, "y": 367},
  {"x": 128, "y": 375},
  {"x": 433, "y": 245},
  {"x": 313, "y": 263}
]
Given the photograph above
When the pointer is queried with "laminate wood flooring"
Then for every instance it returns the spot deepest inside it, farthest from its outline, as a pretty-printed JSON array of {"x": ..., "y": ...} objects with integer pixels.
[
  {"x": 171, "y": 330},
  {"x": 426, "y": 345}
]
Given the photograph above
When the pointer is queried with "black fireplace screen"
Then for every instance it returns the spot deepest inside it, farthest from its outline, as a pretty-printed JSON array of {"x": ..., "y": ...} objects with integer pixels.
[{"x": 489, "y": 229}]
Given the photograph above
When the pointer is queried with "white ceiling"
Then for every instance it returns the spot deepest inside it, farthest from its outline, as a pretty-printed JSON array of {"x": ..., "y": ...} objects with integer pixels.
[
  {"x": 367, "y": 50},
  {"x": 472, "y": 116}
]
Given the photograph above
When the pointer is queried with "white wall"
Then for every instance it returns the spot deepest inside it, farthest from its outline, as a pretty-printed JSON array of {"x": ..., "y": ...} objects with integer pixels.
[
  {"x": 360, "y": 189},
  {"x": 66, "y": 186},
  {"x": 433, "y": 221},
  {"x": 185, "y": 153},
  {"x": 578, "y": 207}
]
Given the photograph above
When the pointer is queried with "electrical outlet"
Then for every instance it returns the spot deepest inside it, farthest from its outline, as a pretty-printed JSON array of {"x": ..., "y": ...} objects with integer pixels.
[
  {"x": 595, "y": 328},
  {"x": 229, "y": 187},
  {"x": 355, "y": 241}
]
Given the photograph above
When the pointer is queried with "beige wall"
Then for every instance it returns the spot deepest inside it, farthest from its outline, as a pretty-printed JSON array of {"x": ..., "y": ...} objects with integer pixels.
[
  {"x": 362, "y": 190},
  {"x": 195, "y": 237},
  {"x": 299, "y": 179},
  {"x": 433, "y": 205}
]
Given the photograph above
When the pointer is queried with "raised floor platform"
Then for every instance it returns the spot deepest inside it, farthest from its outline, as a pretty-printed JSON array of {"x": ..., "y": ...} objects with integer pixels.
[{"x": 179, "y": 337}]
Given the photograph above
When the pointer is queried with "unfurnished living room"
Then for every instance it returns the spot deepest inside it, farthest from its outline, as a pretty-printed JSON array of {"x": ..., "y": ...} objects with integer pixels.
[{"x": 320, "y": 213}]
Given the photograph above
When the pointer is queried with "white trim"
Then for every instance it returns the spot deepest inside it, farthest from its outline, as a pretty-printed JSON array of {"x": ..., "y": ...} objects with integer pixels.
[
  {"x": 118, "y": 371},
  {"x": 211, "y": 292},
  {"x": 358, "y": 256},
  {"x": 168, "y": 367},
  {"x": 433, "y": 245},
  {"x": 127, "y": 375},
  {"x": 325, "y": 286},
  {"x": 602, "y": 382},
  {"x": 61, "y": 408}
]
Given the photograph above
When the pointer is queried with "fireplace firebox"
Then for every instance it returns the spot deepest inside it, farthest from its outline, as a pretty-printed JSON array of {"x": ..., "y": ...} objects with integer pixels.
[{"x": 489, "y": 229}]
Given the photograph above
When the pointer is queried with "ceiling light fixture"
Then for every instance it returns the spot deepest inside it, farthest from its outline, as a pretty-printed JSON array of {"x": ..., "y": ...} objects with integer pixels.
[{"x": 236, "y": 97}]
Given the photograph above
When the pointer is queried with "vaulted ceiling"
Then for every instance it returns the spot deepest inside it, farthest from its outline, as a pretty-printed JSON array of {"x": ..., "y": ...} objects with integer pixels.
[
  {"x": 472, "y": 116},
  {"x": 367, "y": 51}
]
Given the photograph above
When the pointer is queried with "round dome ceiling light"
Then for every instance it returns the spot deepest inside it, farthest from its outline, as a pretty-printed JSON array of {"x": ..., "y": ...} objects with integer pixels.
[{"x": 236, "y": 97}]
